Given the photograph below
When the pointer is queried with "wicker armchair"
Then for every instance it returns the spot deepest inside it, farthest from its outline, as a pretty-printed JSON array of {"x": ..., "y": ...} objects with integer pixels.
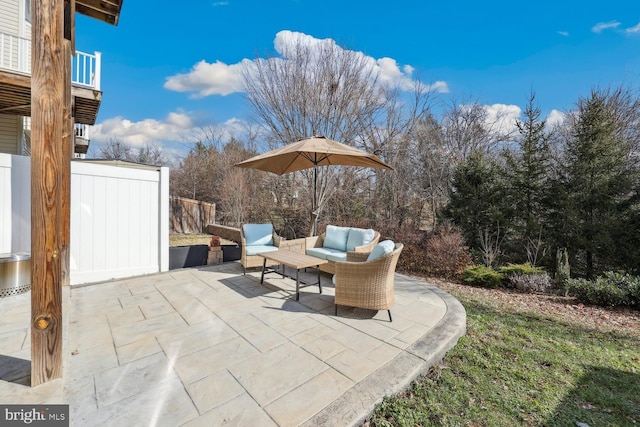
[
  {"x": 248, "y": 258},
  {"x": 366, "y": 284}
]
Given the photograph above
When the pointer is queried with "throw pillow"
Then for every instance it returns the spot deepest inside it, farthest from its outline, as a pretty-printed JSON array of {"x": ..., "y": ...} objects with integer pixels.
[
  {"x": 383, "y": 248},
  {"x": 336, "y": 238},
  {"x": 359, "y": 237},
  {"x": 258, "y": 234}
]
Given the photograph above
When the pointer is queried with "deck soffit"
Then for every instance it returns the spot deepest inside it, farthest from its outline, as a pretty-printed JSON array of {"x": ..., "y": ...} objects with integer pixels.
[
  {"x": 15, "y": 98},
  {"x": 103, "y": 10}
]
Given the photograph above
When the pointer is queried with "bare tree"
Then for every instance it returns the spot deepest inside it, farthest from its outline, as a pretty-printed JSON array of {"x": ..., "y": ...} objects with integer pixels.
[
  {"x": 535, "y": 249},
  {"x": 198, "y": 172},
  {"x": 323, "y": 89},
  {"x": 207, "y": 173},
  {"x": 151, "y": 154},
  {"x": 148, "y": 154},
  {"x": 115, "y": 149},
  {"x": 434, "y": 169},
  {"x": 490, "y": 245},
  {"x": 468, "y": 128}
]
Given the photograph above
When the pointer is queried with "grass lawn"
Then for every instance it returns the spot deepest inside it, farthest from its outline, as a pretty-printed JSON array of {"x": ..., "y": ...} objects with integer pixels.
[
  {"x": 176, "y": 239},
  {"x": 522, "y": 366}
]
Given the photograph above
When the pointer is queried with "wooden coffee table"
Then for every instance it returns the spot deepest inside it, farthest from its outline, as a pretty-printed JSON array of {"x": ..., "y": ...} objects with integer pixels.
[{"x": 294, "y": 260}]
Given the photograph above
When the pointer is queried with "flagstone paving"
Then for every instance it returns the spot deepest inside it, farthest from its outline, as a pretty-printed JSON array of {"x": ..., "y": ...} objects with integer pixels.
[{"x": 211, "y": 346}]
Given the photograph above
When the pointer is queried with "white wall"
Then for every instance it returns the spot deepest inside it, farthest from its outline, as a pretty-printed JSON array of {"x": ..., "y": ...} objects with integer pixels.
[
  {"x": 119, "y": 218},
  {"x": 20, "y": 204},
  {"x": 5, "y": 203},
  {"x": 15, "y": 204}
]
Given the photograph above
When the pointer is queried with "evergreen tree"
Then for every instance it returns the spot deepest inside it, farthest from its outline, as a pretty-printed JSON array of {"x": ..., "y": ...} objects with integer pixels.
[
  {"x": 477, "y": 199},
  {"x": 599, "y": 184},
  {"x": 526, "y": 173}
]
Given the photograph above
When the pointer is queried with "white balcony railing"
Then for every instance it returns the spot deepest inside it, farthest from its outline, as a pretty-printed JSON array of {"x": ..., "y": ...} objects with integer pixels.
[
  {"x": 86, "y": 69},
  {"x": 82, "y": 132},
  {"x": 15, "y": 55}
]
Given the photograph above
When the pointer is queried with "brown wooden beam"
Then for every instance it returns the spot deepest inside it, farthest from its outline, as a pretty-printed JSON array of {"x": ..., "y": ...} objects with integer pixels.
[
  {"x": 14, "y": 107},
  {"x": 70, "y": 23},
  {"x": 68, "y": 140},
  {"x": 104, "y": 10},
  {"x": 14, "y": 79},
  {"x": 49, "y": 65}
]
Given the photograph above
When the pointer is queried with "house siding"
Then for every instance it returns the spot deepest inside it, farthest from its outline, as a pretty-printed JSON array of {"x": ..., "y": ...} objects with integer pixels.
[
  {"x": 9, "y": 25},
  {"x": 10, "y": 16},
  {"x": 9, "y": 134}
]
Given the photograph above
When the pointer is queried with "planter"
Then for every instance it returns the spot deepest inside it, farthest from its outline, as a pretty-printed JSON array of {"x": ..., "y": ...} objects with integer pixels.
[
  {"x": 188, "y": 256},
  {"x": 231, "y": 253},
  {"x": 15, "y": 273}
]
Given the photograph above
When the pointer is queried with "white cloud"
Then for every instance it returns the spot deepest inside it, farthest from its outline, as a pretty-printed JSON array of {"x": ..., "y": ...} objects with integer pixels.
[
  {"x": 209, "y": 79},
  {"x": 389, "y": 73},
  {"x": 502, "y": 117},
  {"x": 137, "y": 134},
  {"x": 285, "y": 40},
  {"x": 633, "y": 30},
  {"x": 233, "y": 128},
  {"x": 564, "y": 33},
  {"x": 439, "y": 86},
  {"x": 222, "y": 79},
  {"x": 220, "y": 3},
  {"x": 554, "y": 118},
  {"x": 176, "y": 130},
  {"x": 173, "y": 128},
  {"x": 601, "y": 26}
]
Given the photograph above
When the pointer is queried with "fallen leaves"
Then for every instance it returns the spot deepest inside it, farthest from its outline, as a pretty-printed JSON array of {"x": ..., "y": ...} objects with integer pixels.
[{"x": 606, "y": 319}]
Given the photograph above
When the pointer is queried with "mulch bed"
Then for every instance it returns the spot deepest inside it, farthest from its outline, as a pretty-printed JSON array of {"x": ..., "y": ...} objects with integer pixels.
[{"x": 568, "y": 309}]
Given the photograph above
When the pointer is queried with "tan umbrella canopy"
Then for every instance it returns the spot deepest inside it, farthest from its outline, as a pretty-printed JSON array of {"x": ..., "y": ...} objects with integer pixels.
[{"x": 311, "y": 153}]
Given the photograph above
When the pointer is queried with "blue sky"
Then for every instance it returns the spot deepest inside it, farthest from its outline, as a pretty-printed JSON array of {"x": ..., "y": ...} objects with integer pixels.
[{"x": 168, "y": 69}]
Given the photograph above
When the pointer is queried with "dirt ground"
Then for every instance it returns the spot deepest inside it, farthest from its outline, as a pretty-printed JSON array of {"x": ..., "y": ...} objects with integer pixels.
[{"x": 568, "y": 309}]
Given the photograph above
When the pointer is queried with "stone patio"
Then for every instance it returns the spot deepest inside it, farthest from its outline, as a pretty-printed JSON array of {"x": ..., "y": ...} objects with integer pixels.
[{"x": 208, "y": 346}]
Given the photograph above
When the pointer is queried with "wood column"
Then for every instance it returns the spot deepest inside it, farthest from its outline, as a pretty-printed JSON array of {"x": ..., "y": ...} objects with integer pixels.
[
  {"x": 49, "y": 158},
  {"x": 68, "y": 138}
]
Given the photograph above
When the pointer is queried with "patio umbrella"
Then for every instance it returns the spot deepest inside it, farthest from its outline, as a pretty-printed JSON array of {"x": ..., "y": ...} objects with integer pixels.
[{"x": 311, "y": 153}]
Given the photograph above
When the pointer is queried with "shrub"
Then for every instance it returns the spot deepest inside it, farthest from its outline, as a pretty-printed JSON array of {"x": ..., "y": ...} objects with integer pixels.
[
  {"x": 480, "y": 275},
  {"x": 526, "y": 278},
  {"x": 530, "y": 282},
  {"x": 611, "y": 289},
  {"x": 520, "y": 269},
  {"x": 445, "y": 254},
  {"x": 412, "y": 257},
  {"x": 441, "y": 253},
  {"x": 563, "y": 270}
]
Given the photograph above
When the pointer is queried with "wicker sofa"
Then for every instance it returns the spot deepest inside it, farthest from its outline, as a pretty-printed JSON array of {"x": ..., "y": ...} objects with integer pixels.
[
  {"x": 337, "y": 242},
  {"x": 367, "y": 284}
]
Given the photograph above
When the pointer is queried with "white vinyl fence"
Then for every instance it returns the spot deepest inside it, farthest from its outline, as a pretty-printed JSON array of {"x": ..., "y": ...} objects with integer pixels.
[{"x": 119, "y": 218}]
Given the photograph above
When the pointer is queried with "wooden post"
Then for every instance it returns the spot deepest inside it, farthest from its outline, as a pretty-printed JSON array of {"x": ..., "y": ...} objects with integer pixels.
[
  {"x": 49, "y": 65},
  {"x": 68, "y": 139}
]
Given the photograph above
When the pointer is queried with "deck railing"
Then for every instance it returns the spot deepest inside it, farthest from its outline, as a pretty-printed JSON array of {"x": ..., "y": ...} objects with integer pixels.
[
  {"x": 15, "y": 55},
  {"x": 80, "y": 130}
]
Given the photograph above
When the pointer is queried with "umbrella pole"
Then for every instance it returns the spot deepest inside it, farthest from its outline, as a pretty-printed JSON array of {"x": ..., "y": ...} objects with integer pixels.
[{"x": 315, "y": 200}]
